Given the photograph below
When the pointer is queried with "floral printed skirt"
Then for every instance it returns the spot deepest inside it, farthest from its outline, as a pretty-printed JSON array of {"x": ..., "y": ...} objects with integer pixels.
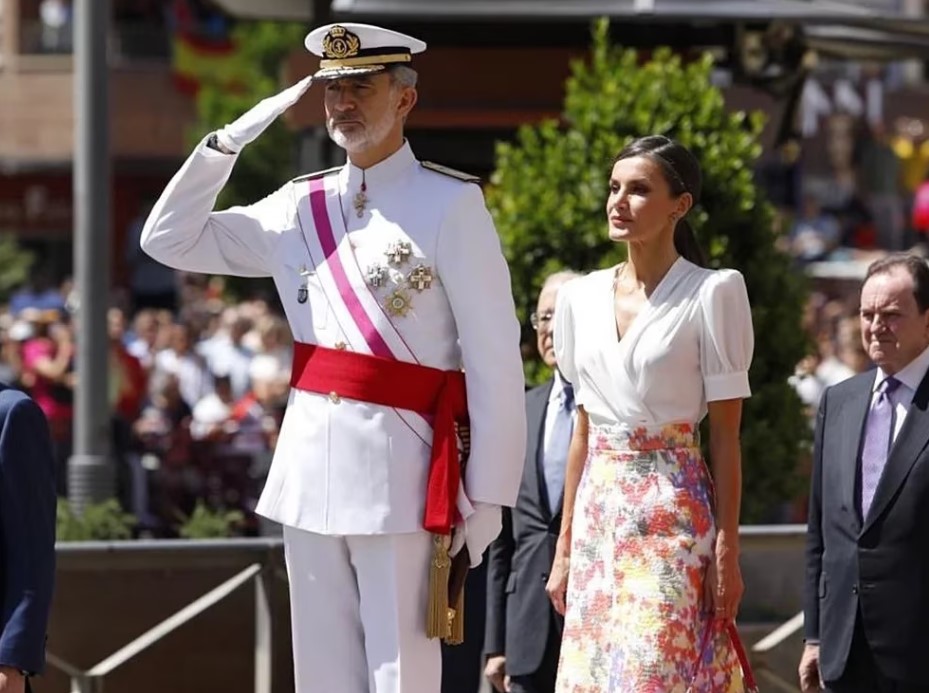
[{"x": 642, "y": 539}]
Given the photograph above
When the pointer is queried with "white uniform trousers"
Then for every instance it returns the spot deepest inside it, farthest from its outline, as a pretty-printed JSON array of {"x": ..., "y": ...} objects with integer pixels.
[{"x": 358, "y": 613}]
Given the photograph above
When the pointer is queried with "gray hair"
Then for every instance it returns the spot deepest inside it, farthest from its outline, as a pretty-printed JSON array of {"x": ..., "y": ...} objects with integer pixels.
[
  {"x": 403, "y": 76},
  {"x": 559, "y": 278}
]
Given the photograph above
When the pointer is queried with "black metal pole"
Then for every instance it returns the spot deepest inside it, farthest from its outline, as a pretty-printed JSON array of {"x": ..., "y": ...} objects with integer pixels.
[{"x": 91, "y": 477}]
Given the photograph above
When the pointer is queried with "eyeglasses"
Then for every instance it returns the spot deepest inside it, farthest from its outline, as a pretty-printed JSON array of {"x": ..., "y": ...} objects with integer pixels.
[{"x": 537, "y": 320}]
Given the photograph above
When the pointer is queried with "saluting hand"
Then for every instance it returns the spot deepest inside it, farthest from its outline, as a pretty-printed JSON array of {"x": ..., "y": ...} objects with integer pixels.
[{"x": 248, "y": 126}]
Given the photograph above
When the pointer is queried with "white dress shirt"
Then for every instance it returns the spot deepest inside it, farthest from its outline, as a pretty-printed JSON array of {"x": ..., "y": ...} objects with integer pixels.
[{"x": 910, "y": 377}]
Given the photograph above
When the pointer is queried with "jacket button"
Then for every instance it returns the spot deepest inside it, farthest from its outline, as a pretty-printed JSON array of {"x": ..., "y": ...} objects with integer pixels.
[
  {"x": 855, "y": 588},
  {"x": 341, "y": 346},
  {"x": 544, "y": 577},
  {"x": 334, "y": 397}
]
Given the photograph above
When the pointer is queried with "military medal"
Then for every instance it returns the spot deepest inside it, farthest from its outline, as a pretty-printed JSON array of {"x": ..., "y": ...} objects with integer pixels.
[
  {"x": 361, "y": 199},
  {"x": 398, "y": 303},
  {"x": 398, "y": 252},
  {"x": 303, "y": 292},
  {"x": 376, "y": 275},
  {"x": 420, "y": 278}
]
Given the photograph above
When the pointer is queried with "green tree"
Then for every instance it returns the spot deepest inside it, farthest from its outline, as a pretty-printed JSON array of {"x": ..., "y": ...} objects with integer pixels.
[
  {"x": 15, "y": 264},
  {"x": 548, "y": 197},
  {"x": 268, "y": 162}
]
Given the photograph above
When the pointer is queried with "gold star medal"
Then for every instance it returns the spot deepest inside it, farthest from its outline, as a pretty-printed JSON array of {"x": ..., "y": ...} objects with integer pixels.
[{"x": 398, "y": 303}]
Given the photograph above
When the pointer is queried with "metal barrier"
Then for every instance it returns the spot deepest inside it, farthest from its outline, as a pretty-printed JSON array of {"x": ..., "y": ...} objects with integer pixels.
[
  {"x": 96, "y": 555},
  {"x": 770, "y": 554},
  {"x": 790, "y": 538}
]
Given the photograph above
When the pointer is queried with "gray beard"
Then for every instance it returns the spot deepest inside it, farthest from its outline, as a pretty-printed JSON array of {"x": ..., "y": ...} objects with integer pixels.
[{"x": 372, "y": 135}]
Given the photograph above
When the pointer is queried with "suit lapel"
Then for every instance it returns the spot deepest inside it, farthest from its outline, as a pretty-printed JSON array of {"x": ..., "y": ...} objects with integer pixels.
[
  {"x": 853, "y": 420},
  {"x": 535, "y": 416},
  {"x": 910, "y": 442}
]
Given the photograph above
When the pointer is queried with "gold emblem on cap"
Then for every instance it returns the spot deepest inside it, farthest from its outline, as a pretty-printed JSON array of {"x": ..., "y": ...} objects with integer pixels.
[{"x": 340, "y": 43}]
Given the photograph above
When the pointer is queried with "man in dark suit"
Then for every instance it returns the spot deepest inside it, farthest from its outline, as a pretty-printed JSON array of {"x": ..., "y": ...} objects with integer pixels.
[
  {"x": 27, "y": 538},
  {"x": 523, "y": 631},
  {"x": 867, "y": 564}
]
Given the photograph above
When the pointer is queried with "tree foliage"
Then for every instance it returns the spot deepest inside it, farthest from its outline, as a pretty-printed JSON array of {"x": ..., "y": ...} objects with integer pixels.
[
  {"x": 268, "y": 162},
  {"x": 548, "y": 197},
  {"x": 15, "y": 265}
]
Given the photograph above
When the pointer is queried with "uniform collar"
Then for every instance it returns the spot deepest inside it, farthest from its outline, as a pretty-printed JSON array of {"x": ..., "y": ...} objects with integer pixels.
[
  {"x": 911, "y": 375},
  {"x": 382, "y": 173}
]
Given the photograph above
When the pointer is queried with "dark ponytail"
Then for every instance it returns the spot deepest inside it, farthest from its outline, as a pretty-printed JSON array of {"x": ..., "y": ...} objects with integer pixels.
[
  {"x": 685, "y": 243},
  {"x": 682, "y": 172}
]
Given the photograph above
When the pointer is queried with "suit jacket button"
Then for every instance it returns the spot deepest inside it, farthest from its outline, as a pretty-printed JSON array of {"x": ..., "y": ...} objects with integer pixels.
[
  {"x": 334, "y": 397},
  {"x": 544, "y": 577},
  {"x": 855, "y": 588}
]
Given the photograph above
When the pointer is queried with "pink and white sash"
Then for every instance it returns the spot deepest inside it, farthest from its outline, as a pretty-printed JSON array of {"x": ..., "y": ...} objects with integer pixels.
[{"x": 357, "y": 310}]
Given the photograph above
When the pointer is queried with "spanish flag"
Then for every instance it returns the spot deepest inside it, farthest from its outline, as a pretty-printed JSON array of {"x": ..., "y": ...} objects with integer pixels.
[{"x": 203, "y": 52}]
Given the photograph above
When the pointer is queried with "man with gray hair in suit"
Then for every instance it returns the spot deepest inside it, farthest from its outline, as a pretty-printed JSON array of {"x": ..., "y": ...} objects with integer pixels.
[{"x": 523, "y": 637}]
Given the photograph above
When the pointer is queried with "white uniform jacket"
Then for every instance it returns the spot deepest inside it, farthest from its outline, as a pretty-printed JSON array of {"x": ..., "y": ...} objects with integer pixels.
[{"x": 424, "y": 262}]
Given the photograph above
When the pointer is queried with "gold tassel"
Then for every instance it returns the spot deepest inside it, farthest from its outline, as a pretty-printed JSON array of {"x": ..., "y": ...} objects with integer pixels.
[{"x": 438, "y": 622}]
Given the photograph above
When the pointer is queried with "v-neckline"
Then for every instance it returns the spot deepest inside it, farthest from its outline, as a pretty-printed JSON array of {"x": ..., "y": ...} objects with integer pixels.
[{"x": 630, "y": 328}]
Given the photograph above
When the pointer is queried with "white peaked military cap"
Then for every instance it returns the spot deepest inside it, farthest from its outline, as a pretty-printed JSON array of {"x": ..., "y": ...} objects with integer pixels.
[{"x": 348, "y": 50}]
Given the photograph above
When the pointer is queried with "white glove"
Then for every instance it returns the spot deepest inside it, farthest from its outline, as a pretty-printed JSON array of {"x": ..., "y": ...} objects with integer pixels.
[
  {"x": 479, "y": 529},
  {"x": 249, "y": 125}
]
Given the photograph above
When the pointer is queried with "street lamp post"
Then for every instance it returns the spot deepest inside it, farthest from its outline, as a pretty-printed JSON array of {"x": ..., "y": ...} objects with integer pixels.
[{"x": 91, "y": 475}]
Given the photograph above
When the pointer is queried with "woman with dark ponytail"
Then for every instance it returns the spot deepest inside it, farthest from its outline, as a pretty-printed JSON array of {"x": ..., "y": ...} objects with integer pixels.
[{"x": 646, "y": 566}]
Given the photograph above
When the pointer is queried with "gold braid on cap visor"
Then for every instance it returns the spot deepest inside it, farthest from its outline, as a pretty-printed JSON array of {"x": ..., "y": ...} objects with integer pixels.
[{"x": 365, "y": 61}]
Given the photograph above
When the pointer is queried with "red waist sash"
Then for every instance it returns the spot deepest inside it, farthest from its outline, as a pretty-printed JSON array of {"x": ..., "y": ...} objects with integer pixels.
[{"x": 428, "y": 391}]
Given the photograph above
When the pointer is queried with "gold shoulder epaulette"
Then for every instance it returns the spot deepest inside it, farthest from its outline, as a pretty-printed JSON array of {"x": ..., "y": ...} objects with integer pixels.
[
  {"x": 317, "y": 174},
  {"x": 446, "y": 171}
]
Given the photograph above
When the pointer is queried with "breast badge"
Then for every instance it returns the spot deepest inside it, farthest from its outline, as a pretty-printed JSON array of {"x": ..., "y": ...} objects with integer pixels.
[
  {"x": 398, "y": 252},
  {"x": 398, "y": 303},
  {"x": 376, "y": 275},
  {"x": 394, "y": 283},
  {"x": 304, "y": 292},
  {"x": 420, "y": 278}
]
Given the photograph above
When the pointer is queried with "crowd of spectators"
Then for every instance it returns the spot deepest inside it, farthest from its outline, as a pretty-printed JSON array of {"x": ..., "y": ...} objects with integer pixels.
[
  {"x": 197, "y": 394},
  {"x": 872, "y": 199}
]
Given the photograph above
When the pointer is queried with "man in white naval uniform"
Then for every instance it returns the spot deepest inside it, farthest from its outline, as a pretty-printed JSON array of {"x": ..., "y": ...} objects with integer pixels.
[{"x": 391, "y": 275}]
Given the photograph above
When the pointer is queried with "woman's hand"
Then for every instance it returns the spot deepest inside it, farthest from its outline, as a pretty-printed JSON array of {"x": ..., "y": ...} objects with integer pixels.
[
  {"x": 723, "y": 587},
  {"x": 557, "y": 586}
]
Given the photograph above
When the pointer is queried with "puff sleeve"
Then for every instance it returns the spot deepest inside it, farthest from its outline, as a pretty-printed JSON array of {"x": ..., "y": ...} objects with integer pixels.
[
  {"x": 564, "y": 335},
  {"x": 727, "y": 339}
]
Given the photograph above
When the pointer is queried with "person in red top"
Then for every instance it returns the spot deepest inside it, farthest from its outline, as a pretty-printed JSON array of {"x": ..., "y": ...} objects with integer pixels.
[{"x": 48, "y": 376}]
